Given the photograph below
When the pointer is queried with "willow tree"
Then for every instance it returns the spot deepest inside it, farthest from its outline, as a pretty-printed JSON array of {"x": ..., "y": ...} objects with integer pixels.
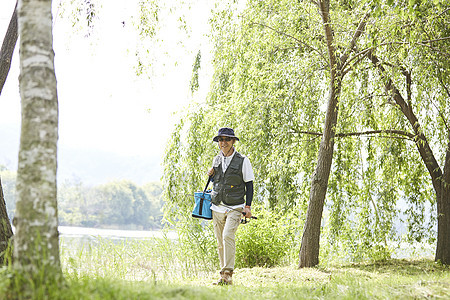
[
  {"x": 279, "y": 80},
  {"x": 412, "y": 66},
  {"x": 272, "y": 75},
  {"x": 36, "y": 244},
  {"x": 337, "y": 66},
  {"x": 400, "y": 34}
]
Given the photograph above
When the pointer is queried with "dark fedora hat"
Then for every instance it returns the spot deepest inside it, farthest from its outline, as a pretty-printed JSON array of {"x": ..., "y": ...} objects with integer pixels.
[{"x": 225, "y": 131}]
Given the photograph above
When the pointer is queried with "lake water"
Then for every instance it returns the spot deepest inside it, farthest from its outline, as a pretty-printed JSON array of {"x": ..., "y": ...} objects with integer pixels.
[
  {"x": 83, "y": 235},
  {"x": 72, "y": 231}
]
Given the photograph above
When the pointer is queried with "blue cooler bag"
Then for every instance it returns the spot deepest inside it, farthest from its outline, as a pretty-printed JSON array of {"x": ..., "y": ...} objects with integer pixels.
[{"x": 202, "y": 208}]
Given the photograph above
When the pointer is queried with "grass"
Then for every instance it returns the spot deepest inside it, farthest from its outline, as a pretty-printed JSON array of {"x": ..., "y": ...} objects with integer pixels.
[
  {"x": 155, "y": 269},
  {"x": 396, "y": 279}
]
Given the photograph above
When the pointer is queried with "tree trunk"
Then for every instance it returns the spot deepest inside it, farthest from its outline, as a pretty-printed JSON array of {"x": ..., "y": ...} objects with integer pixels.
[
  {"x": 36, "y": 243},
  {"x": 7, "y": 51},
  {"x": 309, "y": 250},
  {"x": 5, "y": 227},
  {"x": 439, "y": 179},
  {"x": 443, "y": 213}
]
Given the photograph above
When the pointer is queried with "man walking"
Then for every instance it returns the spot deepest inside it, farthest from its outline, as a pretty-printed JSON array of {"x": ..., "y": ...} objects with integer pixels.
[{"x": 232, "y": 196}]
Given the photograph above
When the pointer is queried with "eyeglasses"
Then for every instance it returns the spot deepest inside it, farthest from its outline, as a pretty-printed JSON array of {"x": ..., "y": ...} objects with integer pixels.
[{"x": 227, "y": 139}]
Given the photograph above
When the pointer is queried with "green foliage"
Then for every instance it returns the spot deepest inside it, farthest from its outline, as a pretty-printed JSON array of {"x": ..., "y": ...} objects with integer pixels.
[
  {"x": 115, "y": 204},
  {"x": 15, "y": 285},
  {"x": 164, "y": 257},
  {"x": 83, "y": 14},
  {"x": 148, "y": 25},
  {"x": 151, "y": 270},
  {"x": 195, "y": 70},
  {"x": 269, "y": 84},
  {"x": 185, "y": 173},
  {"x": 271, "y": 240},
  {"x": 197, "y": 244},
  {"x": 148, "y": 18}
]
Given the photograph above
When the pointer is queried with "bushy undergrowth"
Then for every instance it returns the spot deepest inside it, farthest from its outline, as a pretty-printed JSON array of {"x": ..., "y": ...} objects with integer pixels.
[{"x": 271, "y": 240}]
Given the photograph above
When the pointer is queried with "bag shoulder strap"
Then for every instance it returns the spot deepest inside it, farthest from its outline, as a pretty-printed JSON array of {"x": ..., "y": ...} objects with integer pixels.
[{"x": 206, "y": 187}]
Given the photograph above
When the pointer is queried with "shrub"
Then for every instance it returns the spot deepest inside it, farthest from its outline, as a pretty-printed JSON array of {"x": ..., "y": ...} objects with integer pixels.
[{"x": 269, "y": 241}]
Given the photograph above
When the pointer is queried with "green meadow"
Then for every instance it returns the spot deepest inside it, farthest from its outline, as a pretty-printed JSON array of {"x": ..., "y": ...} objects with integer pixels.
[{"x": 156, "y": 269}]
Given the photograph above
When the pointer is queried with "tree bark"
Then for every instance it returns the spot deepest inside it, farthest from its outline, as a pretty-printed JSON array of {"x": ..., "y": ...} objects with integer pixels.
[
  {"x": 443, "y": 212},
  {"x": 6, "y": 53},
  {"x": 5, "y": 227},
  {"x": 440, "y": 179},
  {"x": 309, "y": 250},
  {"x": 36, "y": 243},
  {"x": 7, "y": 50}
]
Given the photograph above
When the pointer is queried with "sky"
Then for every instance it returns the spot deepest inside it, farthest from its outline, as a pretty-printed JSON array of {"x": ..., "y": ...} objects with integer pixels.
[{"x": 104, "y": 106}]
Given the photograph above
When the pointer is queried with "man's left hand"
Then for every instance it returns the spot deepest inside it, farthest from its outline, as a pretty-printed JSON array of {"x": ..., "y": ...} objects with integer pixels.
[{"x": 248, "y": 212}]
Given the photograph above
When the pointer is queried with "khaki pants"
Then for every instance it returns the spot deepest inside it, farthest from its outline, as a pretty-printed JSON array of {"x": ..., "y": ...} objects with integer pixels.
[{"x": 225, "y": 226}]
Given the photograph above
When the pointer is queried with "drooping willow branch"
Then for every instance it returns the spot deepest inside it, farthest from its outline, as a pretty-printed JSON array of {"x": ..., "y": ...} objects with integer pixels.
[
  {"x": 290, "y": 36},
  {"x": 420, "y": 43},
  {"x": 409, "y": 135}
]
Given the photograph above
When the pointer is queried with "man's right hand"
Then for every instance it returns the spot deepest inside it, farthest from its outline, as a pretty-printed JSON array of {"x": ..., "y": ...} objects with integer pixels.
[{"x": 210, "y": 172}]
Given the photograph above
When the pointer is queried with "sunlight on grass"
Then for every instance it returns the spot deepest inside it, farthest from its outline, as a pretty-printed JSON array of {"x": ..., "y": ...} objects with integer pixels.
[
  {"x": 100, "y": 268},
  {"x": 156, "y": 268}
]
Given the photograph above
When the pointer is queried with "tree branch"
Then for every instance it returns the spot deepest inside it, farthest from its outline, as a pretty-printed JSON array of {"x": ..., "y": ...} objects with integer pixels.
[
  {"x": 443, "y": 12},
  {"x": 408, "y": 85},
  {"x": 369, "y": 132},
  {"x": 324, "y": 7},
  {"x": 435, "y": 40},
  {"x": 290, "y": 36},
  {"x": 356, "y": 36},
  {"x": 434, "y": 49},
  {"x": 7, "y": 50},
  {"x": 421, "y": 141},
  {"x": 423, "y": 43},
  {"x": 348, "y": 67}
]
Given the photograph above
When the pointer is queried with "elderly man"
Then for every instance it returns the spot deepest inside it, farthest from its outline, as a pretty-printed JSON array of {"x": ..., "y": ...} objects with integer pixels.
[{"x": 232, "y": 196}]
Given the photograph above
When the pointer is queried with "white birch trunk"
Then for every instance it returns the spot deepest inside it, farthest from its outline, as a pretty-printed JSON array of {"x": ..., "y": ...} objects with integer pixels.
[{"x": 36, "y": 245}]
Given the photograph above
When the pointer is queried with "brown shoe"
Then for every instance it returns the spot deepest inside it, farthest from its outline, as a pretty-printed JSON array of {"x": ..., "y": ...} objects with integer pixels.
[
  {"x": 220, "y": 281},
  {"x": 228, "y": 277},
  {"x": 225, "y": 278}
]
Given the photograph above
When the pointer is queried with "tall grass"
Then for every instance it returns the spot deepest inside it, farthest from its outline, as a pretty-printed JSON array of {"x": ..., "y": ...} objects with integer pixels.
[
  {"x": 158, "y": 268},
  {"x": 185, "y": 267},
  {"x": 131, "y": 260}
]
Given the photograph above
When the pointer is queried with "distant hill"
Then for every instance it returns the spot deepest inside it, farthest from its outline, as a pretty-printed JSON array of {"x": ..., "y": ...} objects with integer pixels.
[
  {"x": 91, "y": 167},
  {"x": 95, "y": 167}
]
